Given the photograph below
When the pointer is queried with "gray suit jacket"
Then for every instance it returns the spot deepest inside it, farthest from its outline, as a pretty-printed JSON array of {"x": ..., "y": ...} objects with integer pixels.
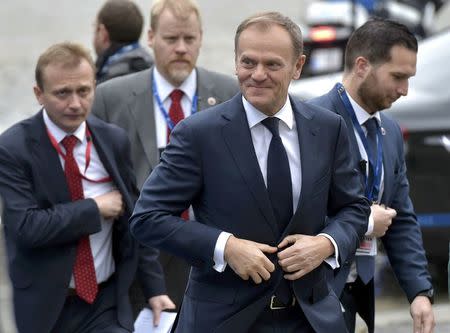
[{"x": 128, "y": 102}]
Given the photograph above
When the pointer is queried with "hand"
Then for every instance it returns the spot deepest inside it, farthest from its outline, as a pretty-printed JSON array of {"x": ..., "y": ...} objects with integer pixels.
[
  {"x": 304, "y": 254},
  {"x": 382, "y": 219},
  {"x": 422, "y": 315},
  {"x": 247, "y": 259},
  {"x": 158, "y": 304},
  {"x": 110, "y": 204}
]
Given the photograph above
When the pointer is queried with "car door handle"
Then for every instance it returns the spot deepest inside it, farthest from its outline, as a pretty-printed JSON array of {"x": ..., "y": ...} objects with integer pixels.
[{"x": 438, "y": 140}]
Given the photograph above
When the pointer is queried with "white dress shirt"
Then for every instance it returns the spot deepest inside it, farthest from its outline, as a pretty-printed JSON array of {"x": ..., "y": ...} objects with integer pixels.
[
  {"x": 101, "y": 242},
  {"x": 164, "y": 88},
  {"x": 261, "y": 138},
  {"x": 362, "y": 116}
]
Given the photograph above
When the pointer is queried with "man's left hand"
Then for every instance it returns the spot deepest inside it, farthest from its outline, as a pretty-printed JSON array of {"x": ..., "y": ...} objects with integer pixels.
[
  {"x": 304, "y": 254},
  {"x": 422, "y": 314},
  {"x": 158, "y": 304}
]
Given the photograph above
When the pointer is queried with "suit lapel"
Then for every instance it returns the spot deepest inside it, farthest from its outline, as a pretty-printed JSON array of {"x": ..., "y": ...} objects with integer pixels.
[
  {"x": 338, "y": 105},
  {"x": 107, "y": 156},
  {"x": 237, "y": 137},
  {"x": 141, "y": 108},
  {"x": 307, "y": 132},
  {"x": 388, "y": 166},
  {"x": 206, "y": 90},
  {"x": 46, "y": 160}
]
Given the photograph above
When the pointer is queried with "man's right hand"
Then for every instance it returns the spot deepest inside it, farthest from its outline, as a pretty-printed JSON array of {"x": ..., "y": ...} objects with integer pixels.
[
  {"x": 110, "y": 204},
  {"x": 247, "y": 259},
  {"x": 382, "y": 219}
]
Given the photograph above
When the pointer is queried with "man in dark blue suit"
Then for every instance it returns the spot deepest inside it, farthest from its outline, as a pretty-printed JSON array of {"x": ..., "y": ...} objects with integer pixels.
[
  {"x": 262, "y": 172},
  {"x": 68, "y": 190},
  {"x": 380, "y": 58}
]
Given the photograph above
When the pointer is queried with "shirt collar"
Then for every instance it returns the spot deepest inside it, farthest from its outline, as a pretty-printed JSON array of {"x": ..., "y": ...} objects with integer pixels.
[
  {"x": 254, "y": 116},
  {"x": 164, "y": 88},
  {"x": 361, "y": 114},
  {"x": 59, "y": 134}
]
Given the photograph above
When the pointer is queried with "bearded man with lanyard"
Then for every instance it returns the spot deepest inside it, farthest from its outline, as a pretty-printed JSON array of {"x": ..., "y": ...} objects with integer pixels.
[{"x": 376, "y": 74}]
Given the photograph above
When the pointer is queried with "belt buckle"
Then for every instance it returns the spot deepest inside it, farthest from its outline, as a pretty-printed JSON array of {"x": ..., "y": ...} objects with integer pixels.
[{"x": 273, "y": 306}]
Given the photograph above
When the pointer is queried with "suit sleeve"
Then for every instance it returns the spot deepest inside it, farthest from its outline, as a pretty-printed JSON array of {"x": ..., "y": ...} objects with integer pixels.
[
  {"x": 31, "y": 225},
  {"x": 149, "y": 271},
  {"x": 171, "y": 188},
  {"x": 348, "y": 209},
  {"x": 403, "y": 240}
]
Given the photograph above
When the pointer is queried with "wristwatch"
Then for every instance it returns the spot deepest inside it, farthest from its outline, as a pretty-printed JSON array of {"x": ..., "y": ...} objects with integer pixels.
[{"x": 427, "y": 293}]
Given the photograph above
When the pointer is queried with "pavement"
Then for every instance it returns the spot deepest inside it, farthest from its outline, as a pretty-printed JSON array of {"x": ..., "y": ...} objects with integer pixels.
[
  {"x": 394, "y": 317},
  {"x": 6, "y": 313}
]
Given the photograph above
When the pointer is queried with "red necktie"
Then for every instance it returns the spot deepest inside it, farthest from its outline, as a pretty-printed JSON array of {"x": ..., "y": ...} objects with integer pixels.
[
  {"x": 176, "y": 115},
  {"x": 83, "y": 270},
  {"x": 176, "y": 111}
]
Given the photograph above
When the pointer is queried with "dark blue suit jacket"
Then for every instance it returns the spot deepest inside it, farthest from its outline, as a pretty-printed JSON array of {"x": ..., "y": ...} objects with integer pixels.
[
  {"x": 211, "y": 164},
  {"x": 43, "y": 225},
  {"x": 403, "y": 240}
]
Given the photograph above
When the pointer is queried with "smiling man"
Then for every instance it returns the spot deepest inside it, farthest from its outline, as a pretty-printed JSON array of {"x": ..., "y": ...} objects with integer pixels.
[
  {"x": 261, "y": 171},
  {"x": 380, "y": 59}
]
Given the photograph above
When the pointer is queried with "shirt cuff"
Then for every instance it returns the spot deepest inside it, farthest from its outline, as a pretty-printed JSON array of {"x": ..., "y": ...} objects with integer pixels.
[
  {"x": 332, "y": 260},
  {"x": 219, "y": 260},
  {"x": 370, "y": 225}
]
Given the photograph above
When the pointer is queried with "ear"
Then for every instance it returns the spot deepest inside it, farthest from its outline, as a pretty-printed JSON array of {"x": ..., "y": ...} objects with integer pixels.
[
  {"x": 150, "y": 37},
  {"x": 201, "y": 38},
  {"x": 103, "y": 34},
  {"x": 38, "y": 93},
  {"x": 298, "y": 67},
  {"x": 362, "y": 66}
]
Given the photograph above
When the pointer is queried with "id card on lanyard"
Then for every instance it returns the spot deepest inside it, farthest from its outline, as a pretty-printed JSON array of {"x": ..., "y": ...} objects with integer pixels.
[
  {"x": 163, "y": 110},
  {"x": 368, "y": 245},
  {"x": 373, "y": 191}
]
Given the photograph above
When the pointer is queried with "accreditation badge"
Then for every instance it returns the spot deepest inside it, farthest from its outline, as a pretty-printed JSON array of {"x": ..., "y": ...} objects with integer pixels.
[{"x": 367, "y": 247}]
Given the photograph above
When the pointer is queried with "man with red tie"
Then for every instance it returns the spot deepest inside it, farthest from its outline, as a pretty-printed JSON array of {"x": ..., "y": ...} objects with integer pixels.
[
  {"x": 150, "y": 103},
  {"x": 69, "y": 188}
]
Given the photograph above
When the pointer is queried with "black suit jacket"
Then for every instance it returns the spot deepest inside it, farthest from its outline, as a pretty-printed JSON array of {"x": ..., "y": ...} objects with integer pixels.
[
  {"x": 211, "y": 164},
  {"x": 43, "y": 225}
]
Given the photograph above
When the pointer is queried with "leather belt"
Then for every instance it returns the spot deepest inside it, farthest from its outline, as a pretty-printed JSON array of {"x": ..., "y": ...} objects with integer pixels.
[{"x": 276, "y": 304}]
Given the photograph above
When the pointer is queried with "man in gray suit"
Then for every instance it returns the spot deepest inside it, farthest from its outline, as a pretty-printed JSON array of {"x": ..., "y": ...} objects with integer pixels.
[{"x": 146, "y": 104}]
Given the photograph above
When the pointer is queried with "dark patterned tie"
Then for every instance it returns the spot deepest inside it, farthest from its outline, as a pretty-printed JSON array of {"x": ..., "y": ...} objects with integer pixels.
[
  {"x": 371, "y": 127},
  {"x": 83, "y": 270},
  {"x": 279, "y": 184},
  {"x": 279, "y": 187},
  {"x": 176, "y": 115}
]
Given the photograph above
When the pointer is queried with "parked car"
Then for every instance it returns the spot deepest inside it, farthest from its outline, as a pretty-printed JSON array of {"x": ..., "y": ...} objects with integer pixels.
[{"x": 424, "y": 116}]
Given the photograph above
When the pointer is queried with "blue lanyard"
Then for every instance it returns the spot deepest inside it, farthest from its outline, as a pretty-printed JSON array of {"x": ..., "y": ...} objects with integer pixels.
[
  {"x": 371, "y": 193},
  {"x": 117, "y": 54},
  {"x": 164, "y": 112}
]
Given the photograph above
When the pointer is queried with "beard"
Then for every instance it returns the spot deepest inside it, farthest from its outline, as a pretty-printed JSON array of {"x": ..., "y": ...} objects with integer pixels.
[
  {"x": 371, "y": 96},
  {"x": 178, "y": 75}
]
